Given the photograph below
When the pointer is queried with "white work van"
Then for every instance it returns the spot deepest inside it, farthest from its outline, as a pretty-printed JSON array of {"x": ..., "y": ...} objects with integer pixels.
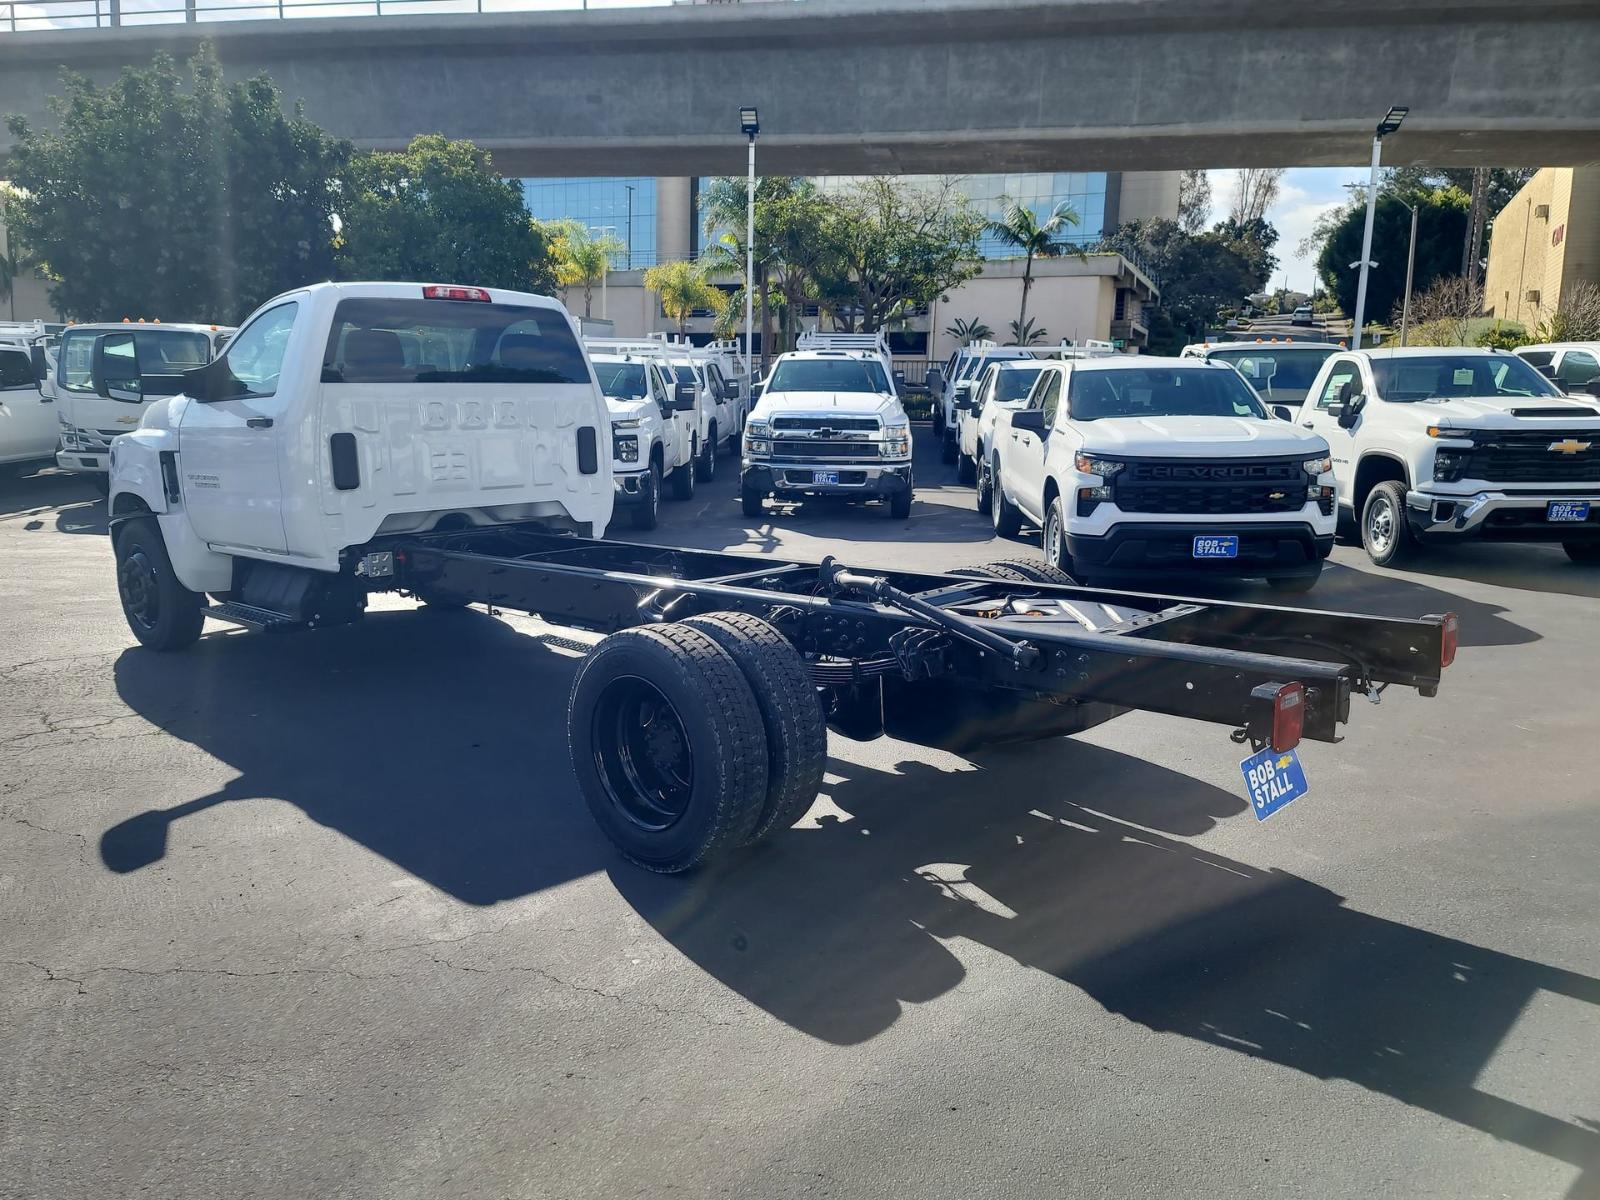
[
  {"x": 144, "y": 360},
  {"x": 27, "y": 414},
  {"x": 1143, "y": 466},
  {"x": 1441, "y": 444},
  {"x": 652, "y": 431},
  {"x": 339, "y": 413}
]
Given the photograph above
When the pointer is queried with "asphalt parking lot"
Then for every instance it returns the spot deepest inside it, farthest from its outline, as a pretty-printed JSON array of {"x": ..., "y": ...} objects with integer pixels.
[{"x": 323, "y": 915}]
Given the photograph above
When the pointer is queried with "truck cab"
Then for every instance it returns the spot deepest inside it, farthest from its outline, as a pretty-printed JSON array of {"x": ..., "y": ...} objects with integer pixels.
[
  {"x": 340, "y": 416},
  {"x": 1144, "y": 466},
  {"x": 27, "y": 414},
  {"x": 1440, "y": 444},
  {"x": 828, "y": 423},
  {"x": 652, "y": 432},
  {"x": 142, "y": 361}
]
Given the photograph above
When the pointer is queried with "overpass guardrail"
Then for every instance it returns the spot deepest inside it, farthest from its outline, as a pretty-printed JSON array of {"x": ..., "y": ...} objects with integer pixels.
[{"x": 29, "y": 16}]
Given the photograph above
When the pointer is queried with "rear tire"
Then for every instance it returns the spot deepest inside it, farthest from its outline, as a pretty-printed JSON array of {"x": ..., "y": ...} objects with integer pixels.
[
  {"x": 1384, "y": 531},
  {"x": 161, "y": 612},
  {"x": 966, "y": 471},
  {"x": 668, "y": 746},
  {"x": 708, "y": 457},
  {"x": 751, "y": 501},
  {"x": 1019, "y": 570},
  {"x": 984, "y": 498},
  {"x": 797, "y": 739},
  {"x": 683, "y": 479},
  {"x": 647, "y": 513},
  {"x": 1007, "y": 516},
  {"x": 1585, "y": 554}
]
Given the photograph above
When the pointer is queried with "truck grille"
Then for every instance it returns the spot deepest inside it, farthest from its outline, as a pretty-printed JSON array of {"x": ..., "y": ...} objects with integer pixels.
[
  {"x": 866, "y": 424},
  {"x": 1504, "y": 456},
  {"x": 810, "y": 448},
  {"x": 1211, "y": 487}
]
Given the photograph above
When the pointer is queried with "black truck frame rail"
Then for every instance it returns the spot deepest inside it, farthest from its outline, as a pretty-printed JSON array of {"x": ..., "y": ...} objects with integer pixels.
[{"x": 862, "y": 632}]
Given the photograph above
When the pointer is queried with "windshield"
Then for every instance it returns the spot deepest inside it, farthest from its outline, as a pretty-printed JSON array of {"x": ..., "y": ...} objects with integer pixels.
[
  {"x": 828, "y": 375},
  {"x": 1161, "y": 392},
  {"x": 1279, "y": 371},
  {"x": 1439, "y": 377},
  {"x": 1013, "y": 384},
  {"x": 622, "y": 380},
  {"x": 684, "y": 374},
  {"x": 450, "y": 341}
]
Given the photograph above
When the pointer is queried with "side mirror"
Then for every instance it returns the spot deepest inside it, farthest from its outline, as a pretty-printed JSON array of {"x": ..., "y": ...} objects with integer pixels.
[
  {"x": 114, "y": 368},
  {"x": 684, "y": 396},
  {"x": 934, "y": 379},
  {"x": 1349, "y": 411},
  {"x": 1028, "y": 420},
  {"x": 756, "y": 389},
  {"x": 41, "y": 368},
  {"x": 1283, "y": 412},
  {"x": 1591, "y": 388}
]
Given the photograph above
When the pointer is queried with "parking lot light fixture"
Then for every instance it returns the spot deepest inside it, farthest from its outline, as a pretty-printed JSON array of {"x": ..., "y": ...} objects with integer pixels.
[
  {"x": 1390, "y": 123},
  {"x": 749, "y": 125}
]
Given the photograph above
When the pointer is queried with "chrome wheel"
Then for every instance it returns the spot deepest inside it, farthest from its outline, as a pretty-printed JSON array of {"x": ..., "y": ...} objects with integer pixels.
[
  {"x": 1053, "y": 549},
  {"x": 1381, "y": 525}
]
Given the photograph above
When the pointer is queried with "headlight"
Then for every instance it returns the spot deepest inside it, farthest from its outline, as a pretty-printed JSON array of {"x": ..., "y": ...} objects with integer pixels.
[
  {"x": 757, "y": 429},
  {"x": 1317, "y": 466},
  {"x": 1089, "y": 464},
  {"x": 756, "y": 445},
  {"x": 626, "y": 423},
  {"x": 69, "y": 437},
  {"x": 625, "y": 447},
  {"x": 897, "y": 441},
  {"x": 1450, "y": 465}
]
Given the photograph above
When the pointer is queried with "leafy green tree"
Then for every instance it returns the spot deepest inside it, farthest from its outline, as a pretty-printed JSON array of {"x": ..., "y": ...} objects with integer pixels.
[
  {"x": 581, "y": 258},
  {"x": 1020, "y": 228},
  {"x": 1198, "y": 276},
  {"x": 1441, "y": 228},
  {"x": 889, "y": 244},
  {"x": 966, "y": 332},
  {"x": 683, "y": 287},
  {"x": 1253, "y": 241},
  {"x": 436, "y": 211},
  {"x": 173, "y": 194}
]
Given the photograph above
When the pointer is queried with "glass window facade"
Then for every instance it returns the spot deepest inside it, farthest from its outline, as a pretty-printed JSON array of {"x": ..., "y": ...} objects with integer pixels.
[{"x": 624, "y": 206}]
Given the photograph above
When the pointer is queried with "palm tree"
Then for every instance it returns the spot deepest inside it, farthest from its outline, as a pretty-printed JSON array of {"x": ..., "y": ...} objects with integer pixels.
[
  {"x": 1021, "y": 229},
  {"x": 966, "y": 332},
  {"x": 1028, "y": 334},
  {"x": 683, "y": 287},
  {"x": 581, "y": 257}
]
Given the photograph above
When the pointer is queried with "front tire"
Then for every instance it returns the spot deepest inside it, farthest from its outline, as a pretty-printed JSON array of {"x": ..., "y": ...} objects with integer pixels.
[
  {"x": 1007, "y": 516},
  {"x": 161, "y": 612},
  {"x": 669, "y": 747},
  {"x": 647, "y": 514},
  {"x": 751, "y": 501},
  {"x": 900, "y": 505},
  {"x": 708, "y": 457},
  {"x": 1384, "y": 531},
  {"x": 683, "y": 479},
  {"x": 1055, "y": 537},
  {"x": 1585, "y": 554}
]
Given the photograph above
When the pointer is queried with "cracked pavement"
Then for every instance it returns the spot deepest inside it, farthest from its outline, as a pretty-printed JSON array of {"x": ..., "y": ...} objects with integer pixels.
[{"x": 322, "y": 915}]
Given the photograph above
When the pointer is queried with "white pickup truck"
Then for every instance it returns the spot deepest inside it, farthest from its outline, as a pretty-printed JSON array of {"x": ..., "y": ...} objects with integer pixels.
[
  {"x": 652, "y": 432},
  {"x": 1434, "y": 445},
  {"x": 27, "y": 414},
  {"x": 1161, "y": 466},
  {"x": 828, "y": 423}
]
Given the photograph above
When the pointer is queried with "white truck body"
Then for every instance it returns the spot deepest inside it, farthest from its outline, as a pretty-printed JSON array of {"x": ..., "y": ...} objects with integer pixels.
[
  {"x": 1435, "y": 444},
  {"x": 1160, "y": 466},
  {"x": 344, "y": 411},
  {"x": 161, "y": 353},
  {"x": 828, "y": 423},
  {"x": 27, "y": 415}
]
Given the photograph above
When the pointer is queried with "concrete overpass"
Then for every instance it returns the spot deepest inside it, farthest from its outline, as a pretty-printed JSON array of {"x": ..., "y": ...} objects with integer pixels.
[{"x": 916, "y": 86}]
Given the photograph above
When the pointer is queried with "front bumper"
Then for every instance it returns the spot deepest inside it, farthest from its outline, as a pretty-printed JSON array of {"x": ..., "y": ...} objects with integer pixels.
[
  {"x": 1499, "y": 516},
  {"x": 862, "y": 480},
  {"x": 629, "y": 489},
  {"x": 83, "y": 460},
  {"x": 1267, "y": 550}
]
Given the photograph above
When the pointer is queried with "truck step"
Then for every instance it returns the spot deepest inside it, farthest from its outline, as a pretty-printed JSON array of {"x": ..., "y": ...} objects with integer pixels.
[{"x": 250, "y": 616}]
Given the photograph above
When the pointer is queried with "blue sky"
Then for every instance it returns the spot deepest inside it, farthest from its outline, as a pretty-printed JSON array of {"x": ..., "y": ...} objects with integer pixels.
[{"x": 1307, "y": 193}]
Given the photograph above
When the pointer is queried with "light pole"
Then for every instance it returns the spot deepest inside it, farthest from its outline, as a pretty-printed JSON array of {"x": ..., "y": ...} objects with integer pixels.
[
  {"x": 1411, "y": 267},
  {"x": 628, "y": 187},
  {"x": 750, "y": 125},
  {"x": 1388, "y": 125}
]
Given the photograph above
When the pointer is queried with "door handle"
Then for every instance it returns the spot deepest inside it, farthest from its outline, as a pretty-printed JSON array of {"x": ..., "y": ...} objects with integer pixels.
[
  {"x": 259, "y": 422},
  {"x": 1309, "y": 424}
]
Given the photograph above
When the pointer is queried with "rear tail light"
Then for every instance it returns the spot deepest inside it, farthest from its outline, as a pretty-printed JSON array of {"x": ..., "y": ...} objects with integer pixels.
[
  {"x": 1450, "y": 631},
  {"x": 446, "y": 291},
  {"x": 1288, "y": 716}
]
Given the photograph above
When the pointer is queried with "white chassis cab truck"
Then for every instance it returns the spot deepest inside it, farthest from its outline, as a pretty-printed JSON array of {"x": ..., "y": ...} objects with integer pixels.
[
  {"x": 447, "y": 443},
  {"x": 1434, "y": 445}
]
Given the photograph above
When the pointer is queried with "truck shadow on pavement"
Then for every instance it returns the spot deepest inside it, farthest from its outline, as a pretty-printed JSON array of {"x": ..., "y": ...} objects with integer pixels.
[
  {"x": 836, "y": 929},
  {"x": 435, "y": 739}
]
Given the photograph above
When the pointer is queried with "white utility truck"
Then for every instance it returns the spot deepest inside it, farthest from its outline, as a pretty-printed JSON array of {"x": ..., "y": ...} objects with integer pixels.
[
  {"x": 653, "y": 427},
  {"x": 828, "y": 423},
  {"x": 1434, "y": 445},
  {"x": 1143, "y": 466},
  {"x": 318, "y": 460},
  {"x": 140, "y": 361},
  {"x": 27, "y": 414}
]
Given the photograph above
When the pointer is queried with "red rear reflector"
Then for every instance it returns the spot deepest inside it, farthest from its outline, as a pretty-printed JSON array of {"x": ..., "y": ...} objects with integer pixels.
[
  {"x": 1450, "y": 630},
  {"x": 1288, "y": 716},
  {"x": 447, "y": 291}
]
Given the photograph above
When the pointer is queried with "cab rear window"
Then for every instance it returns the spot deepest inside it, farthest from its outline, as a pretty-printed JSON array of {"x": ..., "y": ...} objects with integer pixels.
[{"x": 450, "y": 341}]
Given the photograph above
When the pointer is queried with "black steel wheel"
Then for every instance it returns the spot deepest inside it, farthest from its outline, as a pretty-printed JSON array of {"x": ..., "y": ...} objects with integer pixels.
[
  {"x": 161, "y": 612},
  {"x": 669, "y": 747}
]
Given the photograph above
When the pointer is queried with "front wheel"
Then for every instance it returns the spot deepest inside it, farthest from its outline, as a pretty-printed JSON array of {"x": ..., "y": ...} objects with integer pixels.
[
  {"x": 900, "y": 505},
  {"x": 751, "y": 500},
  {"x": 1584, "y": 553},
  {"x": 1384, "y": 531},
  {"x": 648, "y": 512},
  {"x": 708, "y": 457},
  {"x": 984, "y": 498},
  {"x": 966, "y": 471},
  {"x": 1007, "y": 516},
  {"x": 683, "y": 479},
  {"x": 1055, "y": 537},
  {"x": 163, "y": 614}
]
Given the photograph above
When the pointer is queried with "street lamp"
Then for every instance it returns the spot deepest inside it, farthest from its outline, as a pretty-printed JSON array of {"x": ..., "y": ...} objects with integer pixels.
[
  {"x": 628, "y": 187},
  {"x": 1390, "y": 123},
  {"x": 749, "y": 125}
]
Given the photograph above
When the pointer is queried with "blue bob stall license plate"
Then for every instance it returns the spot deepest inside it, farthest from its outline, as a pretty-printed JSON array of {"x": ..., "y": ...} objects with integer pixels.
[
  {"x": 825, "y": 477},
  {"x": 1272, "y": 779},
  {"x": 1214, "y": 546},
  {"x": 1567, "y": 510}
]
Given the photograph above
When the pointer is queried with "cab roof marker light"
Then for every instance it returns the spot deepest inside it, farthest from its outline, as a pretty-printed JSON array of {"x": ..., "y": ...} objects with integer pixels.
[{"x": 447, "y": 291}]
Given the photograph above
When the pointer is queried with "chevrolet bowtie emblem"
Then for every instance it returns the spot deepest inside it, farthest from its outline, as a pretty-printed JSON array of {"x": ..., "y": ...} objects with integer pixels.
[
  {"x": 1276, "y": 495},
  {"x": 1569, "y": 446},
  {"x": 127, "y": 420}
]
